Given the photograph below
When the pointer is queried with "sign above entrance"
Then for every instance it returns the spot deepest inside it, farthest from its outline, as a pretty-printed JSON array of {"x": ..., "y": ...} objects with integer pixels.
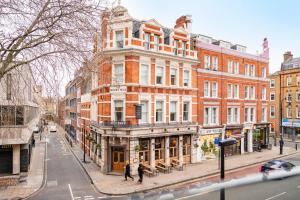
[
  {"x": 291, "y": 122},
  {"x": 210, "y": 131},
  {"x": 118, "y": 89}
]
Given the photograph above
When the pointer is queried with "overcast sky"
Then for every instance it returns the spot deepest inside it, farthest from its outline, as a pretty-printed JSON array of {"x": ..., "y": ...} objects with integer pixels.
[{"x": 244, "y": 22}]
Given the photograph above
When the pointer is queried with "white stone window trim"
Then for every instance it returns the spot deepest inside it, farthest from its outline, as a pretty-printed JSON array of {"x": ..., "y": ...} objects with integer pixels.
[
  {"x": 163, "y": 99},
  {"x": 118, "y": 98},
  {"x": 208, "y": 88},
  {"x": 265, "y": 114},
  {"x": 113, "y": 73},
  {"x": 189, "y": 110},
  {"x": 164, "y": 74},
  {"x": 177, "y": 110},
  {"x": 214, "y": 96},
  {"x": 190, "y": 77},
  {"x": 232, "y": 116},
  {"x": 272, "y": 93},
  {"x": 149, "y": 73},
  {"x": 177, "y": 76},
  {"x": 146, "y": 97},
  {"x": 210, "y": 115},
  {"x": 115, "y": 36}
]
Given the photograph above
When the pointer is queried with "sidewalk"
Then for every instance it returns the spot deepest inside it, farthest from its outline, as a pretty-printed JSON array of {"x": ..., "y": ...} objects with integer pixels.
[
  {"x": 34, "y": 179},
  {"x": 114, "y": 185}
]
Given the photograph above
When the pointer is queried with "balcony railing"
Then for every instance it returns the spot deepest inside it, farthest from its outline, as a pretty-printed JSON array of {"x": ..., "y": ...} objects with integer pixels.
[{"x": 127, "y": 124}]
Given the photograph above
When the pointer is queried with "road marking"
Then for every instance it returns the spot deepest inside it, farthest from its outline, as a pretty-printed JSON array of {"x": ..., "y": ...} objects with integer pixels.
[
  {"x": 87, "y": 196},
  {"x": 77, "y": 198},
  {"x": 276, "y": 196},
  {"x": 71, "y": 192}
]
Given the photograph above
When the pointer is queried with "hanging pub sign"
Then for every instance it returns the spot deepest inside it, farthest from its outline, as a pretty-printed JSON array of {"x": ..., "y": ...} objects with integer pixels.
[{"x": 138, "y": 111}]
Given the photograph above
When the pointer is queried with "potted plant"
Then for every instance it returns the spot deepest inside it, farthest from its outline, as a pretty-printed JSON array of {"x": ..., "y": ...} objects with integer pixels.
[
  {"x": 204, "y": 147},
  {"x": 98, "y": 146},
  {"x": 137, "y": 148}
]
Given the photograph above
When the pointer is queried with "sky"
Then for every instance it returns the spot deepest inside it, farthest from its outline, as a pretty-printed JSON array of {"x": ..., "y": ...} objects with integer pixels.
[{"x": 245, "y": 22}]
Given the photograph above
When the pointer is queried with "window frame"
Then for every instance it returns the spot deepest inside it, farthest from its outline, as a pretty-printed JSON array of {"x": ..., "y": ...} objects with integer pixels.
[
  {"x": 117, "y": 41},
  {"x": 148, "y": 75}
]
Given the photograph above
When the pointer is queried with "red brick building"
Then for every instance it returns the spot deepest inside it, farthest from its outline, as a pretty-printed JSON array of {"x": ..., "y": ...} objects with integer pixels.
[
  {"x": 165, "y": 96},
  {"x": 233, "y": 91}
]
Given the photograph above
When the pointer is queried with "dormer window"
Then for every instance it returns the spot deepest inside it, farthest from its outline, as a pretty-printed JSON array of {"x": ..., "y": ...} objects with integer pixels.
[
  {"x": 175, "y": 47},
  {"x": 119, "y": 39},
  {"x": 147, "y": 41}
]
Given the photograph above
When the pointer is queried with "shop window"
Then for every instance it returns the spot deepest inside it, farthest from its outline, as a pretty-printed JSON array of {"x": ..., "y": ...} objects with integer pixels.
[
  {"x": 144, "y": 150},
  {"x": 159, "y": 148},
  {"x": 173, "y": 146}
]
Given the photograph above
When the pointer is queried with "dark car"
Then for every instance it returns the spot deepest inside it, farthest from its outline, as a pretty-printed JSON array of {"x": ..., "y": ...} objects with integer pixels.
[{"x": 276, "y": 165}]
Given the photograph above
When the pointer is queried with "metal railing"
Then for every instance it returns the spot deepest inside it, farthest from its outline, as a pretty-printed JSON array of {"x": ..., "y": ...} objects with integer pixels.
[{"x": 127, "y": 124}]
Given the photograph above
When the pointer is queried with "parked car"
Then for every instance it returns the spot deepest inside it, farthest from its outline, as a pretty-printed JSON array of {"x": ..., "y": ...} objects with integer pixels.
[
  {"x": 36, "y": 129},
  {"x": 52, "y": 128},
  {"x": 276, "y": 165}
]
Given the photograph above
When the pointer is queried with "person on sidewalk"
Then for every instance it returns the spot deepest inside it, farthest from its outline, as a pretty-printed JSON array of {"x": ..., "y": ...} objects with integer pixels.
[
  {"x": 127, "y": 171},
  {"x": 141, "y": 173}
]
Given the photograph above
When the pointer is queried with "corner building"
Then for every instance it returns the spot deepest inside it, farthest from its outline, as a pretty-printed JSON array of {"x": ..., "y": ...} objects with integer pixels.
[
  {"x": 152, "y": 66},
  {"x": 157, "y": 101}
]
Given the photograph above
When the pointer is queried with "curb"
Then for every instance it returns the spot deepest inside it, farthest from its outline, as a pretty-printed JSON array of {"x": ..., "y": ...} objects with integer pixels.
[{"x": 44, "y": 175}]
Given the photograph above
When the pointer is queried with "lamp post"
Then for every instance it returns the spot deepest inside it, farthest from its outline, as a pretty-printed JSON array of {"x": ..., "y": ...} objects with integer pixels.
[
  {"x": 223, "y": 144},
  {"x": 84, "y": 141}
]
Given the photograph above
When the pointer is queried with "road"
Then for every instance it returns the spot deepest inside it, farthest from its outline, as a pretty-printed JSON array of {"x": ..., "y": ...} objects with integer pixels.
[
  {"x": 288, "y": 188},
  {"x": 65, "y": 177}
]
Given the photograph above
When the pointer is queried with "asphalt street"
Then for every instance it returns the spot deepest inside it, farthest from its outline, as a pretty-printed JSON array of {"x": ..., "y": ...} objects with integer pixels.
[
  {"x": 65, "y": 177},
  {"x": 285, "y": 189}
]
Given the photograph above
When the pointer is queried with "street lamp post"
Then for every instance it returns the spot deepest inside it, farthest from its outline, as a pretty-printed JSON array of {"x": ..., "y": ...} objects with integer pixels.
[
  {"x": 84, "y": 142},
  {"x": 223, "y": 144}
]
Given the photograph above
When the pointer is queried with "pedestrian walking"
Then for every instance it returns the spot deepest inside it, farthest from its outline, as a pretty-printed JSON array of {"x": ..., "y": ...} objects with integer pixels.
[
  {"x": 33, "y": 142},
  {"x": 127, "y": 171},
  {"x": 141, "y": 173}
]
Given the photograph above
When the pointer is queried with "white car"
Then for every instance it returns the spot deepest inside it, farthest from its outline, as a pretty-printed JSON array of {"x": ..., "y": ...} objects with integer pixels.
[
  {"x": 36, "y": 129},
  {"x": 52, "y": 128}
]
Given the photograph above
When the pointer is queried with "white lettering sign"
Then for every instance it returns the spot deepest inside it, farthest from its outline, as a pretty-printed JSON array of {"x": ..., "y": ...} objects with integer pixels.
[
  {"x": 210, "y": 131},
  {"x": 118, "y": 89}
]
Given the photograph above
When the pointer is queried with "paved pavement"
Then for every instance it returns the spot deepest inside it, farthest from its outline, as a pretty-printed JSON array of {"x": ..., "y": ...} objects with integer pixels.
[
  {"x": 192, "y": 173},
  {"x": 288, "y": 188},
  {"x": 34, "y": 179},
  {"x": 65, "y": 177}
]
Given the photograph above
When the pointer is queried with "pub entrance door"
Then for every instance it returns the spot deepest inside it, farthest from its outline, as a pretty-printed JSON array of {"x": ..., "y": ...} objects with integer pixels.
[{"x": 118, "y": 158}]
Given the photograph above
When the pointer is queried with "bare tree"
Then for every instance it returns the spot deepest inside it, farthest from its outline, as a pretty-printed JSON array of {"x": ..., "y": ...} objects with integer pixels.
[{"x": 53, "y": 37}]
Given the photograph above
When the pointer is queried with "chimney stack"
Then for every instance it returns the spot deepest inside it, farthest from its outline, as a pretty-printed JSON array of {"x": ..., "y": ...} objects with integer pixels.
[
  {"x": 184, "y": 21},
  {"x": 287, "y": 56}
]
